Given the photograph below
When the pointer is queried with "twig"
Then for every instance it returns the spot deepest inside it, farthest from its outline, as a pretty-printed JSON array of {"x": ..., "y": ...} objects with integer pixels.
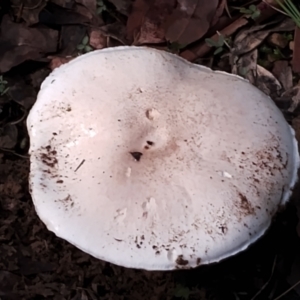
[
  {"x": 274, "y": 7},
  {"x": 29, "y": 7},
  {"x": 227, "y": 10},
  {"x": 82, "y": 162},
  {"x": 15, "y": 153},
  {"x": 225, "y": 42},
  {"x": 268, "y": 281},
  {"x": 288, "y": 290}
]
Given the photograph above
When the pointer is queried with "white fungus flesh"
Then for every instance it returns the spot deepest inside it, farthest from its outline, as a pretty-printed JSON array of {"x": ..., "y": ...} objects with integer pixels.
[{"x": 145, "y": 160}]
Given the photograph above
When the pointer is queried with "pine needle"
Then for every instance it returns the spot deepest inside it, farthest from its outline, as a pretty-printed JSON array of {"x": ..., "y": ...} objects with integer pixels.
[{"x": 291, "y": 10}]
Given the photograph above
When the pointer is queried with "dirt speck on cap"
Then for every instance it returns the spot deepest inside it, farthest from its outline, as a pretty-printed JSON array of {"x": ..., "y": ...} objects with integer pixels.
[
  {"x": 245, "y": 205},
  {"x": 181, "y": 261},
  {"x": 48, "y": 156}
]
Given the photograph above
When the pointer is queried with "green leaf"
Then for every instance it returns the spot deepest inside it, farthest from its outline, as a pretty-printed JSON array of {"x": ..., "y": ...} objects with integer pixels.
[
  {"x": 3, "y": 92},
  {"x": 182, "y": 292},
  {"x": 218, "y": 50},
  {"x": 85, "y": 40},
  {"x": 88, "y": 48},
  {"x": 245, "y": 11},
  {"x": 255, "y": 15},
  {"x": 211, "y": 43},
  {"x": 291, "y": 10},
  {"x": 99, "y": 10},
  {"x": 221, "y": 40},
  {"x": 218, "y": 43},
  {"x": 80, "y": 47}
]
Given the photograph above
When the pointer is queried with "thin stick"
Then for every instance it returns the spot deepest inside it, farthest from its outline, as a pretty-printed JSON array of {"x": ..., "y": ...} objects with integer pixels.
[
  {"x": 287, "y": 291},
  {"x": 219, "y": 34},
  {"x": 264, "y": 286},
  {"x": 14, "y": 153},
  {"x": 82, "y": 162}
]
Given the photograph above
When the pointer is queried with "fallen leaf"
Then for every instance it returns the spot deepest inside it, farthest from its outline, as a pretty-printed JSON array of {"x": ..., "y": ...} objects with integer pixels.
[
  {"x": 58, "y": 61},
  {"x": 267, "y": 82},
  {"x": 122, "y": 6},
  {"x": 98, "y": 40},
  {"x": 246, "y": 66},
  {"x": 145, "y": 24},
  {"x": 292, "y": 99},
  {"x": 28, "y": 10},
  {"x": 56, "y": 15},
  {"x": 190, "y": 20},
  {"x": 219, "y": 11},
  {"x": 250, "y": 39},
  {"x": 111, "y": 42},
  {"x": 296, "y": 51},
  {"x": 22, "y": 93},
  {"x": 8, "y": 136},
  {"x": 278, "y": 40},
  {"x": 70, "y": 37},
  {"x": 283, "y": 72},
  {"x": 202, "y": 48},
  {"x": 88, "y": 8},
  {"x": 116, "y": 31},
  {"x": 37, "y": 77},
  {"x": 63, "y": 3},
  {"x": 90, "y": 4},
  {"x": 19, "y": 43}
]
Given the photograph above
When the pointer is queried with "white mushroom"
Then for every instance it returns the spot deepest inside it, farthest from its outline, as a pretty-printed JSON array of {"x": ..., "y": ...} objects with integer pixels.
[{"x": 145, "y": 160}]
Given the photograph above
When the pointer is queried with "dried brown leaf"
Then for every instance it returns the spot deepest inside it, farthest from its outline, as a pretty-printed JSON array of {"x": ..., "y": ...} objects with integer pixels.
[
  {"x": 219, "y": 12},
  {"x": 246, "y": 66},
  {"x": 200, "y": 49},
  {"x": 122, "y": 6},
  {"x": 145, "y": 24},
  {"x": 278, "y": 40},
  {"x": 291, "y": 99},
  {"x": 283, "y": 72},
  {"x": 90, "y": 4},
  {"x": 19, "y": 43},
  {"x": 296, "y": 52},
  {"x": 116, "y": 31},
  {"x": 8, "y": 136},
  {"x": 28, "y": 10},
  {"x": 56, "y": 15},
  {"x": 70, "y": 37},
  {"x": 98, "y": 40},
  {"x": 250, "y": 39},
  {"x": 203, "y": 48},
  {"x": 58, "y": 61},
  {"x": 64, "y": 3},
  {"x": 22, "y": 93},
  {"x": 37, "y": 77},
  {"x": 267, "y": 82},
  {"x": 190, "y": 20},
  {"x": 88, "y": 9}
]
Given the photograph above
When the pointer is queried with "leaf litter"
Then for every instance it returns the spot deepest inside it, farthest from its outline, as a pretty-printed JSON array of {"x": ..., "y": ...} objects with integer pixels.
[{"x": 255, "y": 40}]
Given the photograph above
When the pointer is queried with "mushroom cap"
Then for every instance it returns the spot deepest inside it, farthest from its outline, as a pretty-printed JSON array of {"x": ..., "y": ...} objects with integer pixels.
[{"x": 145, "y": 160}]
